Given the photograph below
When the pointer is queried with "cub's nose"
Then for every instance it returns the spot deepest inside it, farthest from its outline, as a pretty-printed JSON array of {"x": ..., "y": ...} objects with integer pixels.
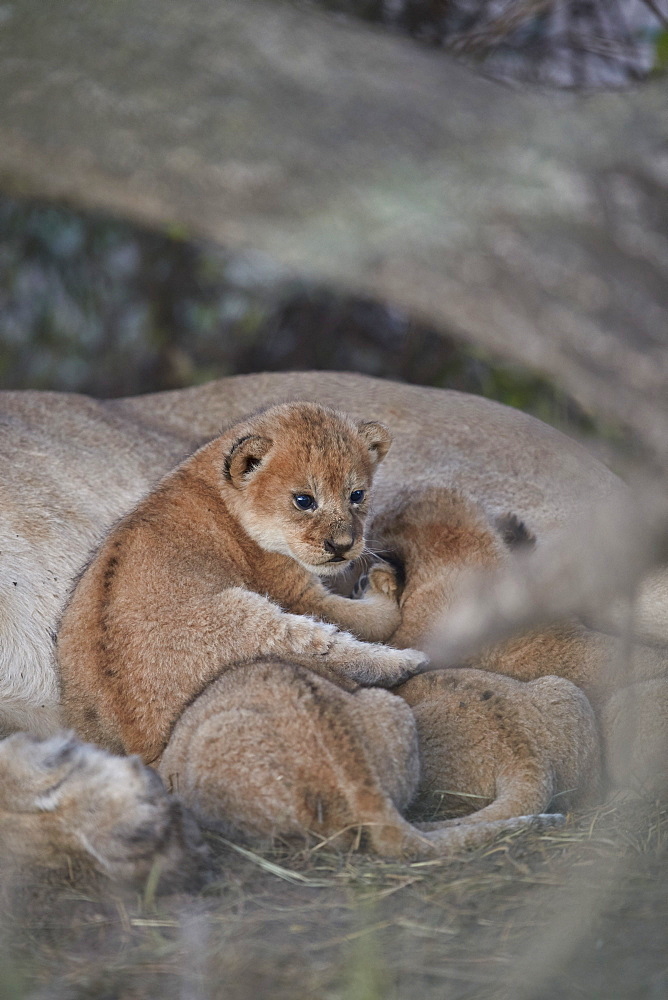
[{"x": 338, "y": 547}]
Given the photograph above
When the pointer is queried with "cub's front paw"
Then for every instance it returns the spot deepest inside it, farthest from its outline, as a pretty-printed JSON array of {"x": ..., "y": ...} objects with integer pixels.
[
  {"x": 382, "y": 579},
  {"x": 412, "y": 662},
  {"x": 391, "y": 667},
  {"x": 302, "y": 635}
]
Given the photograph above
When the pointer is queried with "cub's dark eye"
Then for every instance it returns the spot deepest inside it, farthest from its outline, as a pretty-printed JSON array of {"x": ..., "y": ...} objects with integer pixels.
[
  {"x": 305, "y": 501},
  {"x": 357, "y": 496}
]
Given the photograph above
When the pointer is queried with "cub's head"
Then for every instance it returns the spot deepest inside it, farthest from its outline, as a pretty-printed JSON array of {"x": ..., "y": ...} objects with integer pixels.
[
  {"x": 300, "y": 477},
  {"x": 63, "y": 798}
]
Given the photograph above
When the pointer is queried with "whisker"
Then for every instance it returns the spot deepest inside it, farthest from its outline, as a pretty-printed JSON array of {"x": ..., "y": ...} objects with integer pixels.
[
  {"x": 371, "y": 558},
  {"x": 375, "y": 553}
]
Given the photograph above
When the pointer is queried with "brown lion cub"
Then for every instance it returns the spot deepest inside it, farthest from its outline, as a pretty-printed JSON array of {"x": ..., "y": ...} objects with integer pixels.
[
  {"x": 438, "y": 536},
  {"x": 221, "y": 564},
  {"x": 269, "y": 752},
  {"x": 274, "y": 751},
  {"x": 62, "y": 801}
]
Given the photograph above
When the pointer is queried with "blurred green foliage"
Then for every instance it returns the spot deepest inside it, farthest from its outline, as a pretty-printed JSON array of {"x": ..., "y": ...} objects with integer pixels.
[{"x": 661, "y": 55}]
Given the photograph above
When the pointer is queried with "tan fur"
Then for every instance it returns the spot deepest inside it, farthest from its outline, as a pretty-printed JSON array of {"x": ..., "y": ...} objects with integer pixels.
[
  {"x": 502, "y": 747},
  {"x": 218, "y": 565},
  {"x": 272, "y": 750},
  {"x": 275, "y": 752},
  {"x": 439, "y": 537},
  {"x": 64, "y": 802},
  {"x": 73, "y": 465},
  {"x": 634, "y": 727}
]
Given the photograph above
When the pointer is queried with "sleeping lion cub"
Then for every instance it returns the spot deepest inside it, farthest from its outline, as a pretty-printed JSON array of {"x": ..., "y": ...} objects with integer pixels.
[
  {"x": 63, "y": 801},
  {"x": 271, "y": 750},
  {"x": 221, "y": 564}
]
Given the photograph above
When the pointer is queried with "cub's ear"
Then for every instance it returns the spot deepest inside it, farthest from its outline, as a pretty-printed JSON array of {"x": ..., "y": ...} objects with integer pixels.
[
  {"x": 377, "y": 439},
  {"x": 514, "y": 532},
  {"x": 244, "y": 456}
]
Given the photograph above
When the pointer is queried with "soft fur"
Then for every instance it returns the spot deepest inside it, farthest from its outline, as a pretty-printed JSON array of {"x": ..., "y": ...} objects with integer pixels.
[
  {"x": 274, "y": 751},
  {"x": 73, "y": 465},
  {"x": 64, "y": 802},
  {"x": 220, "y": 565},
  {"x": 269, "y": 750},
  {"x": 438, "y": 537},
  {"x": 492, "y": 747}
]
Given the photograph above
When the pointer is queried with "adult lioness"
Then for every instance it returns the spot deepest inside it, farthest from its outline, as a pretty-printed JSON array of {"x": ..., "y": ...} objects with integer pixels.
[
  {"x": 73, "y": 465},
  {"x": 221, "y": 564}
]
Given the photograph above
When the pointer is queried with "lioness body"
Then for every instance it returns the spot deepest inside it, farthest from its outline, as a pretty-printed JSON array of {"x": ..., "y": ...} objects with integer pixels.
[
  {"x": 73, "y": 465},
  {"x": 221, "y": 564}
]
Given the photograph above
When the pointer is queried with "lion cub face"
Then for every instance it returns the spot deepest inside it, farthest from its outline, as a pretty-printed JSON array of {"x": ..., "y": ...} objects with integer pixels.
[
  {"x": 302, "y": 476},
  {"x": 61, "y": 797}
]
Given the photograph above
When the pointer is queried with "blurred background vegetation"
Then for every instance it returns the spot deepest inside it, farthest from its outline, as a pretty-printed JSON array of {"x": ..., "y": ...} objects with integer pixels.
[
  {"x": 96, "y": 305},
  {"x": 578, "y": 44}
]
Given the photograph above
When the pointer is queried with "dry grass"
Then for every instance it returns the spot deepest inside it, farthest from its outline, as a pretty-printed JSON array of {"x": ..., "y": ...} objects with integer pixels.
[{"x": 581, "y": 912}]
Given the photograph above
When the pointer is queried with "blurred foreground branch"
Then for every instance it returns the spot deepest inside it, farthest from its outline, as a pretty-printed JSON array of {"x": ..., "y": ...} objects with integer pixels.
[
  {"x": 531, "y": 223},
  {"x": 596, "y": 569}
]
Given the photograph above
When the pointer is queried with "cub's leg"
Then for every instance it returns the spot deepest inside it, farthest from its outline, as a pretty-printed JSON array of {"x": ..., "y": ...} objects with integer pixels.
[
  {"x": 526, "y": 791},
  {"x": 62, "y": 799},
  {"x": 126, "y": 697},
  {"x": 324, "y": 648},
  {"x": 373, "y": 617},
  {"x": 532, "y": 741},
  {"x": 269, "y": 751},
  {"x": 272, "y": 750}
]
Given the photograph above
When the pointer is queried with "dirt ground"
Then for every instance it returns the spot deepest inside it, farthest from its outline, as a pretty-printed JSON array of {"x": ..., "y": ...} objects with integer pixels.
[{"x": 579, "y": 912}]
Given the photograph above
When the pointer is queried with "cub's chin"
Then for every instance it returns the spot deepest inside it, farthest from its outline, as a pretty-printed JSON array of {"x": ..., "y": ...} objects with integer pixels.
[
  {"x": 333, "y": 568},
  {"x": 324, "y": 566},
  {"x": 329, "y": 567}
]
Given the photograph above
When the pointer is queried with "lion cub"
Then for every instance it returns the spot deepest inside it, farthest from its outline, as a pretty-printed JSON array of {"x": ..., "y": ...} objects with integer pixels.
[
  {"x": 62, "y": 800},
  {"x": 272, "y": 750},
  {"x": 437, "y": 537},
  {"x": 222, "y": 564}
]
